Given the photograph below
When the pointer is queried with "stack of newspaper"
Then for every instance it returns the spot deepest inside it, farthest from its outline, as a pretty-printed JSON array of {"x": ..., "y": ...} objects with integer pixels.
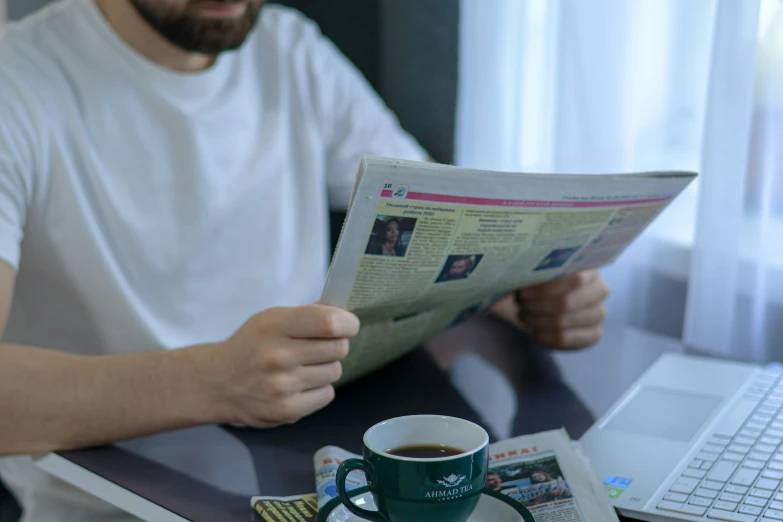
[
  {"x": 427, "y": 245},
  {"x": 547, "y": 473}
]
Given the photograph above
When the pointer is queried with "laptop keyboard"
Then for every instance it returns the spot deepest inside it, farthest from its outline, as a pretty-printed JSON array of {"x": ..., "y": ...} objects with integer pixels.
[{"x": 738, "y": 473}]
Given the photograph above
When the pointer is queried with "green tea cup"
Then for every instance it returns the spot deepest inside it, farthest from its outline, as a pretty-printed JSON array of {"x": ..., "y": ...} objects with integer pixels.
[{"x": 420, "y": 489}]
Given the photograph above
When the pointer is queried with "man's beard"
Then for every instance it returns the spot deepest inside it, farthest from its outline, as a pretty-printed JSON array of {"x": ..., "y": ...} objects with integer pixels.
[{"x": 203, "y": 35}]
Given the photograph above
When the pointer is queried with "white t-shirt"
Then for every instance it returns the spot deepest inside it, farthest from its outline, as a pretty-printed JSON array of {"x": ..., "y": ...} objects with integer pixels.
[{"x": 151, "y": 209}]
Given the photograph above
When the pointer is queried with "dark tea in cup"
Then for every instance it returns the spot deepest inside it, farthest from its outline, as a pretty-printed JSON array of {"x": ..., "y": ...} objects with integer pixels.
[{"x": 425, "y": 451}]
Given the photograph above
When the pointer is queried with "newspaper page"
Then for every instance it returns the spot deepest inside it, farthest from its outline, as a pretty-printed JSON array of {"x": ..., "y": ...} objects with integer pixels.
[
  {"x": 427, "y": 245},
  {"x": 546, "y": 472}
]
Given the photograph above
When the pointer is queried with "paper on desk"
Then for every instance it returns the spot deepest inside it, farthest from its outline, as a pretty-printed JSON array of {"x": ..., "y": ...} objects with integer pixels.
[
  {"x": 466, "y": 237},
  {"x": 546, "y": 472}
]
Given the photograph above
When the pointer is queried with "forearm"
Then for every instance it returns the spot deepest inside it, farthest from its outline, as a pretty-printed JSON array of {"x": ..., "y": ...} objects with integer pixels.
[{"x": 51, "y": 400}]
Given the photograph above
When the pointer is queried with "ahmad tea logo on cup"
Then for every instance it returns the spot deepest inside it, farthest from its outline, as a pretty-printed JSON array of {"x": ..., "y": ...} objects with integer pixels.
[{"x": 451, "y": 482}]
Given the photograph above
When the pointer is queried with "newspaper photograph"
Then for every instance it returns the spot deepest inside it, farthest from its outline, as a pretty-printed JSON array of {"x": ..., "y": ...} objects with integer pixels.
[
  {"x": 546, "y": 472},
  {"x": 534, "y": 483},
  {"x": 423, "y": 242}
]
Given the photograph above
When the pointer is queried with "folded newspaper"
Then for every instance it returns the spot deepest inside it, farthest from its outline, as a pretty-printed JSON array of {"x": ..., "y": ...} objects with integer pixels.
[
  {"x": 546, "y": 472},
  {"x": 425, "y": 245}
]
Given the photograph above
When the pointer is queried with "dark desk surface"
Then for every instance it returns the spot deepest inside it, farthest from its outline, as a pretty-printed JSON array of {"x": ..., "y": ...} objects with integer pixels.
[{"x": 210, "y": 473}]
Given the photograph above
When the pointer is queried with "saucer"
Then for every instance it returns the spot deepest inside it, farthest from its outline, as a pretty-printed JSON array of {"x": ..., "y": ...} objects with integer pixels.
[{"x": 492, "y": 507}]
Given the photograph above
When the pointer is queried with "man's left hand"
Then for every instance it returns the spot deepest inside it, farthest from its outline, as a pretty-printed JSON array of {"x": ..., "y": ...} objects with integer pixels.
[{"x": 566, "y": 313}]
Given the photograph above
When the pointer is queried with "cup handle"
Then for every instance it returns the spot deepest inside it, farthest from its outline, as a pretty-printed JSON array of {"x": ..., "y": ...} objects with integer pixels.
[{"x": 342, "y": 473}]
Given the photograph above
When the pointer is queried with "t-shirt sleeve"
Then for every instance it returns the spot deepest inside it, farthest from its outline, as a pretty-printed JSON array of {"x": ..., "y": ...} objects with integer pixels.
[
  {"x": 354, "y": 121},
  {"x": 16, "y": 167}
]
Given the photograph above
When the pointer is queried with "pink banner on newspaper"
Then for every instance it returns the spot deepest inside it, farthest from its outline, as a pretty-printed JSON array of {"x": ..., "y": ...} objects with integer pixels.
[{"x": 467, "y": 200}]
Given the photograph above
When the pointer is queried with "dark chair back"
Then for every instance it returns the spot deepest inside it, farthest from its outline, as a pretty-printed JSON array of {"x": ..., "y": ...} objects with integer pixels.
[{"x": 9, "y": 509}]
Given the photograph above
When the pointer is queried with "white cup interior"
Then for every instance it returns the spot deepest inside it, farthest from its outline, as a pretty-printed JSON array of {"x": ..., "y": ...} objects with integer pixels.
[{"x": 424, "y": 430}]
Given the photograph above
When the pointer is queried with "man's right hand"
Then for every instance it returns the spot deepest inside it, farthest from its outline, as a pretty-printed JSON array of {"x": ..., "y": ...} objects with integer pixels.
[{"x": 279, "y": 366}]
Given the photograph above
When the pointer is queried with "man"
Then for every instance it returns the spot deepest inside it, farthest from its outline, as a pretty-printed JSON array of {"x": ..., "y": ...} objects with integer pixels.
[
  {"x": 156, "y": 193},
  {"x": 494, "y": 482},
  {"x": 460, "y": 268}
]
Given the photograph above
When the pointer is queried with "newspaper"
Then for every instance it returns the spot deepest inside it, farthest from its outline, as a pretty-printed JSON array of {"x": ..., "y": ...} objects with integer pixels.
[
  {"x": 546, "y": 472},
  {"x": 425, "y": 245}
]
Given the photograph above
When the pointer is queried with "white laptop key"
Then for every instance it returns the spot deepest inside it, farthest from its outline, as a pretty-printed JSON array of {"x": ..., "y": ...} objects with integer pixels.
[
  {"x": 779, "y": 496},
  {"x": 761, "y": 493},
  {"x": 682, "y": 508},
  {"x": 754, "y": 464},
  {"x": 755, "y": 455},
  {"x": 772, "y": 474},
  {"x": 694, "y": 473},
  {"x": 708, "y": 456},
  {"x": 734, "y": 457},
  {"x": 730, "y": 497},
  {"x": 756, "y": 501},
  {"x": 767, "y": 484},
  {"x": 776, "y": 504},
  {"x": 750, "y": 510},
  {"x": 721, "y": 471},
  {"x": 777, "y": 466},
  {"x": 739, "y": 490},
  {"x": 774, "y": 514},
  {"x": 684, "y": 485},
  {"x": 718, "y": 514},
  {"x": 739, "y": 448},
  {"x": 706, "y": 493},
  {"x": 745, "y": 477},
  {"x": 699, "y": 501},
  {"x": 726, "y": 506},
  {"x": 675, "y": 497}
]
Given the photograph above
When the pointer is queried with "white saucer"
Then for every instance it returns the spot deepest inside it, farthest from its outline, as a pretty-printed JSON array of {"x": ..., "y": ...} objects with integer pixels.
[{"x": 493, "y": 507}]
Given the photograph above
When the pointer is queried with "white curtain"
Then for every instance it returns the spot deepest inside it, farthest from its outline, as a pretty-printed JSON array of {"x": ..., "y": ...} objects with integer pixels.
[{"x": 612, "y": 85}]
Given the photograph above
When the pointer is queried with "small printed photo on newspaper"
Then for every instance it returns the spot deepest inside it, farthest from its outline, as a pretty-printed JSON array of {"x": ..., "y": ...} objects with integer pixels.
[{"x": 534, "y": 483}]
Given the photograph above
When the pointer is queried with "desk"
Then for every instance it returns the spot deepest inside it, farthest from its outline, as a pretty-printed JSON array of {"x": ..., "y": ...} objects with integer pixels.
[{"x": 209, "y": 473}]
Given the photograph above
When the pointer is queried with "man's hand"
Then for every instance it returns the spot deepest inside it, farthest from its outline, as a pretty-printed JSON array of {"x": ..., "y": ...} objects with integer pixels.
[
  {"x": 279, "y": 366},
  {"x": 566, "y": 313}
]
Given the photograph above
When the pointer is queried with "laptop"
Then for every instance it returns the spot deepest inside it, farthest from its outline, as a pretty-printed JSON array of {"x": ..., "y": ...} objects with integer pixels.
[{"x": 694, "y": 439}]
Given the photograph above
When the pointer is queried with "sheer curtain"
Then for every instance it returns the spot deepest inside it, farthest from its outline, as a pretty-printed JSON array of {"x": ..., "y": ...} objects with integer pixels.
[{"x": 612, "y": 85}]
